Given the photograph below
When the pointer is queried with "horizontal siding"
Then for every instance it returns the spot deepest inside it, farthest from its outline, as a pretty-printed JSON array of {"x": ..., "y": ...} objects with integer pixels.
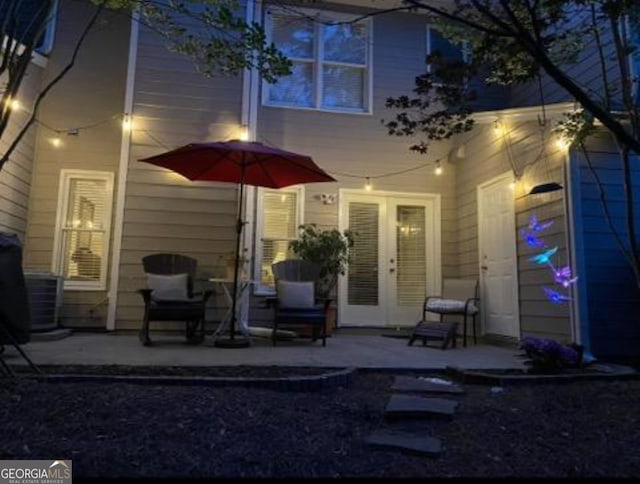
[
  {"x": 92, "y": 92},
  {"x": 609, "y": 296},
  {"x": 485, "y": 157},
  {"x": 16, "y": 174},
  {"x": 175, "y": 105},
  {"x": 586, "y": 72}
]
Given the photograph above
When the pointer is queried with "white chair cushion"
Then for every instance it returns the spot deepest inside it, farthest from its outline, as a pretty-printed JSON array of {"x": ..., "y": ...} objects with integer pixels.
[
  {"x": 168, "y": 287},
  {"x": 450, "y": 306},
  {"x": 293, "y": 294}
]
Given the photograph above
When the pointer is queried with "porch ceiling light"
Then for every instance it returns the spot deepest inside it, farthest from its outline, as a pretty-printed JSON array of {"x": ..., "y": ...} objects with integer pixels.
[{"x": 545, "y": 188}]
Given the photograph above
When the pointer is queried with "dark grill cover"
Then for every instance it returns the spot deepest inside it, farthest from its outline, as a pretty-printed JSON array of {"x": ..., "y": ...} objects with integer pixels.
[{"x": 14, "y": 302}]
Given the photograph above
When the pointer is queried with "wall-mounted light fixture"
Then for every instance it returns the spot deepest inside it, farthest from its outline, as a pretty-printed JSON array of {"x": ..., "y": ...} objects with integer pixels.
[
  {"x": 545, "y": 188},
  {"x": 328, "y": 198}
]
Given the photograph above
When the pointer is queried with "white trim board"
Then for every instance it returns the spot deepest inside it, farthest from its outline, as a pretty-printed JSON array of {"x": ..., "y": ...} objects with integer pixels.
[{"x": 123, "y": 170}]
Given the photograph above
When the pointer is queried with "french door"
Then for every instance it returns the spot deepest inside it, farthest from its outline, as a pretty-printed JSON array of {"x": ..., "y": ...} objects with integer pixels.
[{"x": 395, "y": 260}]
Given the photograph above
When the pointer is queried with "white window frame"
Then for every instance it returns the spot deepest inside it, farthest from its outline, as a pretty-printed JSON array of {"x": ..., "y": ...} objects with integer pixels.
[
  {"x": 464, "y": 50},
  {"x": 317, "y": 61},
  {"x": 259, "y": 288},
  {"x": 634, "y": 59},
  {"x": 50, "y": 32},
  {"x": 63, "y": 203}
]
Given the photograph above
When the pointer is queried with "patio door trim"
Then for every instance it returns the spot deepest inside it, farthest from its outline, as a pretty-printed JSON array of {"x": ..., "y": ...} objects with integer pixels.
[{"x": 437, "y": 228}]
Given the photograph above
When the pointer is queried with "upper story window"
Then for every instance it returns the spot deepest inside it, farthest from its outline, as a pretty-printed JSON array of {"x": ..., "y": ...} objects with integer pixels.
[
  {"x": 23, "y": 21},
  {"x": 83, "y": 228},
  {"x": 331, "y": 63},
  {"x": 436, "y": 42},
  {"x": 633, "y": 33},
  {"x": 279, "y": 216},
  {"x": 45, "y": 44}
]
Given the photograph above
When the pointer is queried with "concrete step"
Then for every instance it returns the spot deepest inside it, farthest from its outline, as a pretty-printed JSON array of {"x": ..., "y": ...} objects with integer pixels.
[
  {"x": 406, "y": 442},
  {"x": 406, "y": 406},
  {"x": 412, "y": 384}
]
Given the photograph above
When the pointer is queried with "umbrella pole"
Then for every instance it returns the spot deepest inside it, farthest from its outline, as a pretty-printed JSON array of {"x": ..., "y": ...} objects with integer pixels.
[{"x": 232, "y": 341}]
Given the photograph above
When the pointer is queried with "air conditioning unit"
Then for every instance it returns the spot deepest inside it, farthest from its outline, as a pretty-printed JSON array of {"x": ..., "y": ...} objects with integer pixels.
[{"x": 45, "y": 299}]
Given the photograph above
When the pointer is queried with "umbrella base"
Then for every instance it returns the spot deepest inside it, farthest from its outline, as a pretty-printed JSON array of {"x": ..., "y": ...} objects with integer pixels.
[{"x": 228, "y": 342}]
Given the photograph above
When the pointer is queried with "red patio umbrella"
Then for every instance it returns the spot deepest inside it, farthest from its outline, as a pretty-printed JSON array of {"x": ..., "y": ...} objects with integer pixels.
[{"x": 244, "y": 163}]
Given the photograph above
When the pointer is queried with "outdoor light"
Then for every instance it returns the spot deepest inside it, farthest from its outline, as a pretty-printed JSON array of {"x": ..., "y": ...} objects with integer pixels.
[
  {"x": 438, "y": 170},
  {"x": 55, "y": 142},
  {"x": 127, "y": 122},
  {"x": 562, "y": 143},
  {"x": 545, "y": 188},
  {"x": 244, "y": 133},
  {"x": 367, "y": 185},
  {"x": 14, "y": 104}
]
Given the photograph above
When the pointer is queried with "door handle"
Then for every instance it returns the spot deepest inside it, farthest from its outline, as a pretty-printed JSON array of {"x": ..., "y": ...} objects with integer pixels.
[
  {"x": 484, "y": 268},
  {"x": 392, "y": 270}
]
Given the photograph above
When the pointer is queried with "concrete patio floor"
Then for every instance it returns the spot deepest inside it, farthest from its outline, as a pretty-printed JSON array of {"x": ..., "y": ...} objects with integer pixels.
[{"x": 371, "y": 351}]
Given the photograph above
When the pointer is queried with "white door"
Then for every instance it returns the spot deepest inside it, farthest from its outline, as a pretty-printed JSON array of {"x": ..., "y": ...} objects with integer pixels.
[
  {"x": 394, "y": 260},
  {"x": 498, "y": 263}
]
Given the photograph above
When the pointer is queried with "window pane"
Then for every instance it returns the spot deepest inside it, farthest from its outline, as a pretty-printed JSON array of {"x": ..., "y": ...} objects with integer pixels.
[
  {"x": 272, "y": 251},
  {"x": 363, "y": 287},
  {"x": 293, "y": 35},
  {"x": 280, "y": 225},
  {"x": 438, "y": 43},
  {"x": 82, "y": 261},
  {"x": 280, "y": 218},
  {"x": 296, "y": 89},
  {"x": 343, "y": 87},
  {"x": 83, "y": 239},
  {"x": 345, "y": 43},
  {"x": 411, "y": 258},
  {"x": 87, "y": 204}
]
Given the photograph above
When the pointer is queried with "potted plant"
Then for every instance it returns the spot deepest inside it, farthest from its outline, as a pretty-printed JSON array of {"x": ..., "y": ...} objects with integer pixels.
[{"x": 329, "y": 249}]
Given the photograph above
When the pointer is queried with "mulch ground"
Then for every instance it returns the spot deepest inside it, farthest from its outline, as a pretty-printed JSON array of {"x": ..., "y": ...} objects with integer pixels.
[{"x": 115, "y": 430}]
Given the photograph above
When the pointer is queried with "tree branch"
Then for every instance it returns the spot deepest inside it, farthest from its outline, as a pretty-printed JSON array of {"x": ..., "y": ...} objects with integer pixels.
[{"x": 50, "y": 85}]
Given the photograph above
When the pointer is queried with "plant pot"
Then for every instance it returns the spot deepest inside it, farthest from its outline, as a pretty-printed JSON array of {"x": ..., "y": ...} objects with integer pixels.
[
  {"x": 329, "y": 323},
  {"x": 330, "y": 318}
]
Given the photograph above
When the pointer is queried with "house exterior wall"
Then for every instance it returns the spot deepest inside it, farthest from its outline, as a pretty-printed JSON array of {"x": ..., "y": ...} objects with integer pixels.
[
  {"x": 358, "y": 144},
  {"x": 16, "y": 174},
  {"x": 588, "y": 70},
  {"x": 91, "y": 93},
  {"x": 486, "y": 157},
  {"x": 609, "y": 299},
  {"x": 174, "y": 105}
]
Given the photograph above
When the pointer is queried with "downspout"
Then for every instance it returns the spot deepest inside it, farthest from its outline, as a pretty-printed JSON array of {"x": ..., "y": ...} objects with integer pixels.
[
  {"x": 573, "y": 227},
  {"x": 123, "y": 169}
]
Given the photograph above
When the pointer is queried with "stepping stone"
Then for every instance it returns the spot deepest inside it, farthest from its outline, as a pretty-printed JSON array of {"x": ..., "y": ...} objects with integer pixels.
[
  {"x": 411, "y": 384},
  {"x": 419, "y": 407},
  {"x": 414, "y": 444}
]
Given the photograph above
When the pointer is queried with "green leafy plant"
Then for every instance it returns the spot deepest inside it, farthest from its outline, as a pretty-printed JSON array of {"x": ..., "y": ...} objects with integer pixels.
[{"x": 329, "y": 249}]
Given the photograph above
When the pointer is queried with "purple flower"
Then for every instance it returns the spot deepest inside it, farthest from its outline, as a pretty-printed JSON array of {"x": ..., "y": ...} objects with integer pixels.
[{"x": 549, "y": 354}]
